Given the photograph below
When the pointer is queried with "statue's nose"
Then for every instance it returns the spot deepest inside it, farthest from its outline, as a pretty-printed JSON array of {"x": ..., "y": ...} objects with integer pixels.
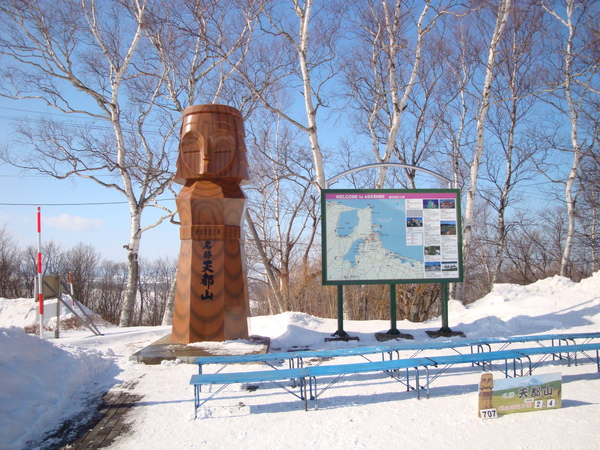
[{"x": 206, "y": 157}]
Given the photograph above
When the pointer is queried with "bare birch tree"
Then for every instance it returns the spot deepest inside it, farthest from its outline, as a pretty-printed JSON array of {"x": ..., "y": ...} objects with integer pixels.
[
  {"x": 455, "y": 104},
  {"x": 519, "y": 77},
  {"x": 296, "y": 51},
  {"x": 194, "y": 48},
  {"x": 577, "y": 22},
  {"x": 589, "y": 214},
  {"x": 77, "y": 57},
  {"x": 501, "y": 16},
  {"x": 197, "y": 45},
  {"x": 9, "y": 264},
  {"x": 283, "y": 213},
  {"x": 381, "y": 83},
  {"x": 291, "y": 57}
]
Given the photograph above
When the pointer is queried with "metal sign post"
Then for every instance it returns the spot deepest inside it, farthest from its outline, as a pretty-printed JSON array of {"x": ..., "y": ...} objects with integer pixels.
[
  {"x": 340, "y": 334},
  {"x": 393, "y": 333},
  {"x": 39, "y": 271},
  {"x": 393, "y": 307},
  {"x": 340, "y": 312},
  {"x": 445, "y": 331}
]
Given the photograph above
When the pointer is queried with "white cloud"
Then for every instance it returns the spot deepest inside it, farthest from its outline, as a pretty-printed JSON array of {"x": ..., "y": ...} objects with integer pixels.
[{"x": 72, "y": 223}]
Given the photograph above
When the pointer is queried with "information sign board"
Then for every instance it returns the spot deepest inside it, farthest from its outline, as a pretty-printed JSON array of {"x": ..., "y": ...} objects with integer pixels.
[
  {"x": 519, "y": 394},
  {"x": 390, "y": 236}
]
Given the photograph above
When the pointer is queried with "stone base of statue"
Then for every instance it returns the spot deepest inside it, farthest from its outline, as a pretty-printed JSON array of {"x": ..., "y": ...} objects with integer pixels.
[{"x": 164, "y": 350}]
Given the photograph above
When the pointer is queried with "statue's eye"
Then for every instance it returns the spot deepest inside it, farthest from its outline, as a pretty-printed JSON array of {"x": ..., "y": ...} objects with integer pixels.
[
  {"x": 191, "y": 143},
  {"x": 222, "y": 141}
]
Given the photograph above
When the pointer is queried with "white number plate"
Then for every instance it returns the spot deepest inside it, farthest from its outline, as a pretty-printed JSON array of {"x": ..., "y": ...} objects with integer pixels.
[{"x": 488, "y": 413}]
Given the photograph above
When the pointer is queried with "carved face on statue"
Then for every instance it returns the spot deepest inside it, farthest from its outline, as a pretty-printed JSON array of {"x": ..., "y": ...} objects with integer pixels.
[
  {"x": 212, "y": 144},
  {"x": 487, "y": 381}
]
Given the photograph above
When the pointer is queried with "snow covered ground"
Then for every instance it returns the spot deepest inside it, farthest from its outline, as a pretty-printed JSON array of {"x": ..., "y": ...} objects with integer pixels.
[{"x": 45, "y": 382}]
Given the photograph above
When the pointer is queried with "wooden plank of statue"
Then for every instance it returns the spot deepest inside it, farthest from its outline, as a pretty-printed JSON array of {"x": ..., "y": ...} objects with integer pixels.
[{"x": 211, "y": 300}]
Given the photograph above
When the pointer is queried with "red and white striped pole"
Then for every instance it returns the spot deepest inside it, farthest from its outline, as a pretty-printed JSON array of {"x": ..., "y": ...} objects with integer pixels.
[
  {"x": 39, "y": 270},
  {"x": 71, "y": 289}
]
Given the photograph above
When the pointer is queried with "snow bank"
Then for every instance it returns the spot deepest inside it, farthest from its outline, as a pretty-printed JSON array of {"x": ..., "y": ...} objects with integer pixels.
[
  {"x": 554, "y": 304},
  {"x": 19, "y": 312},
  {"x": 43, "y": 383},
  {"x": 23, "y": 313}
]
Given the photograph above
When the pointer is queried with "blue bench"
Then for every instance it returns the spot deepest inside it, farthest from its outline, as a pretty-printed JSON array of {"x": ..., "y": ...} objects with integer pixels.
[
  {"x": 485, "y": 359},
  {"x": 296, "y": 359},
  {"x": 342, "y": 352},
  {"x": 268, "y": 358},
  {"x": 516, "y": 355},
  {"x": 558, "y": 350},
  {"x": 225, "y": 379},
  {"x": 390, "y": 367},
  {"x": 479, "y": 344},
  {"x": 555, "y": 339}
]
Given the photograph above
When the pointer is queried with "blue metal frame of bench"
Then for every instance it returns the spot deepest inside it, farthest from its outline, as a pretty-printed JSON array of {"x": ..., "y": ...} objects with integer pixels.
[
  {"x": 267, "y": 358},
  {"x": 225, "y": 379},
  {"x": 390, "y": 367},
  {"x": 484, "y": 358},
  {"x": 517, "y": 354},
  {"x": 296, "y": 359},
  {"x": 558, "y": 350}
]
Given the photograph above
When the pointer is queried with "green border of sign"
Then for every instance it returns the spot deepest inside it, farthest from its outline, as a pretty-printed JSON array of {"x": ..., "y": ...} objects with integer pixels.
[{"x": 326, "y": 281}]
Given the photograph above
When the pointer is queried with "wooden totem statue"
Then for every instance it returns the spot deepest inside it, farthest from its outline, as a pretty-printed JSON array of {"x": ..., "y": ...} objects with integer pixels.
[
  {"x": 486, "y": 388},
  {"x": 211, "y": 301}
]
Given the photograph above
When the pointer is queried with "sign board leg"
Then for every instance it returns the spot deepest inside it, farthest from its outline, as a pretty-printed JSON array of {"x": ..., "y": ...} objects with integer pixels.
[
  {"x": 445, "y": 331},
  {"x": 393, "y": 307},
  {"x": 340, "y": 312},
  {"x": 444, "y": 299},
  {"x": 393, "y": 333},
  {"x": 340, "y": 334}
]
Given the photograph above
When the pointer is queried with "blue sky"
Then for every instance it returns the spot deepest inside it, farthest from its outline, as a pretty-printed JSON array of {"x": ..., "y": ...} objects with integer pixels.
[
  {"x": 82, "y": 211},
  {"x": 76, "y": 212},
  {"x": 72, "y": 210}
]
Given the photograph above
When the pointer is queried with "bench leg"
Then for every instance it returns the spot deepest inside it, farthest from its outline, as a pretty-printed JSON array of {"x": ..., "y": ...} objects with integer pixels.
[
  {"x": 196, "y": 400},
  {"x": 418, "y": 383},
  {"x": 304, "y": 395}
]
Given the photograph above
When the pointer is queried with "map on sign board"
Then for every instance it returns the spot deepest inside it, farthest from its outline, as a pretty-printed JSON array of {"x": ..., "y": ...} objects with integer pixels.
[{"x": 384, "y": 236}]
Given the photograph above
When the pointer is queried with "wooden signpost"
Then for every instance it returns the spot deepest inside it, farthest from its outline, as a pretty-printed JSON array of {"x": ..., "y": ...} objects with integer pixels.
[{"x": 520, "y": 394}]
